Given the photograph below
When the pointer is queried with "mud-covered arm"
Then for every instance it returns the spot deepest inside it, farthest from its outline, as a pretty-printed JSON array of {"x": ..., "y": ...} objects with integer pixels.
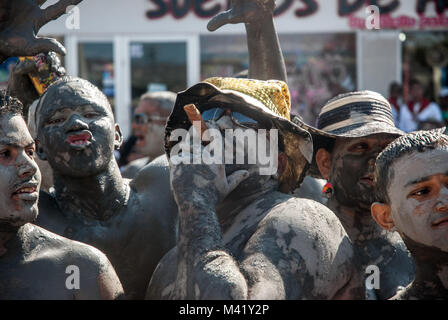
[
  {"x": 265, "y": 56},
  {"x": 21, "y": 20},
  {"x": 204, "y": 269}
]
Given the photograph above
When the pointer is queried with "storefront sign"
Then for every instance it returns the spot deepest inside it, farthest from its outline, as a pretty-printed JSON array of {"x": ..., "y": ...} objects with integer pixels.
[{"x": 395, "y": 14}]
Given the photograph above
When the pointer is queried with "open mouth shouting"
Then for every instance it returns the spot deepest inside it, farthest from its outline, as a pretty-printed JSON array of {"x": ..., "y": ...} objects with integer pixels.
[
  {"x": 27, "y": 191},
  {"x": 79, "y": 140}
]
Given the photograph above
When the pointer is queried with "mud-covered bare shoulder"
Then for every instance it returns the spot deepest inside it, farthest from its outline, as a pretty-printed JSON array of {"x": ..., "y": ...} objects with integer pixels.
[
  {"x": 152, "y": 192},
  {"x": 306, "y": 242},
  {"x": 305, "y": 216},
  {"x": 155, "y": 173},
  {"x": 63, "y": 249},
  {"x": 98, "y": 279}
]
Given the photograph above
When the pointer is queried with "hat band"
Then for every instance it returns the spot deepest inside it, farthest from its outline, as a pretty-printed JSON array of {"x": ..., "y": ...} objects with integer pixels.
[{"x": 355, "y": 113}]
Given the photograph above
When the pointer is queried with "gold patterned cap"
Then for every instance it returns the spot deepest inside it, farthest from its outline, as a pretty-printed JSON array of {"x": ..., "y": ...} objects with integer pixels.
[{"x": 274, "y": 94}]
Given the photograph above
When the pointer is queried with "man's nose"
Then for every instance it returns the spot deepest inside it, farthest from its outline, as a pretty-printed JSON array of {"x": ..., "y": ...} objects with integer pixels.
[
  {"x": 371, "y": 163},
  {"x": 76, "y": 123},
  {"x": 26, "y": 166},
  {"x": 442, "y": 204}
]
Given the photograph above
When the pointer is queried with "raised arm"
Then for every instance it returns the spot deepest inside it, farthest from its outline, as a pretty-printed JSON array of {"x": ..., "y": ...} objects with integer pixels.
[
  {"x": 265, "y": 56},
  {"x": 21, "y": 20},
  {"x": 204, "y": 269}
]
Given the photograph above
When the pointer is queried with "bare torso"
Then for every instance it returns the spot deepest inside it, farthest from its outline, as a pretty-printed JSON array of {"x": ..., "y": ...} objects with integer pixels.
[
  {"x": 288, "y": 248},
  {"x": 35, "y": 267},
  {"x": 135, "y": 238}
]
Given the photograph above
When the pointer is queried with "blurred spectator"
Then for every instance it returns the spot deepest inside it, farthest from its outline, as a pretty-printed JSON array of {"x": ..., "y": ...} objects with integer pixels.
[
  {"x": 443, "y": 100},
  {"x": 149, "y": 128},
  {"x": 395, "y": 100},
  {"x": 419, "y": 109}
]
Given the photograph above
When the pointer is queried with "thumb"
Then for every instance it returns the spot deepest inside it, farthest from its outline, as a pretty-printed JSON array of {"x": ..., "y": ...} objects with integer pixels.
[
  {"x": 236, "y": 178},
  {"x": 44, "y": 45},
  {"x": 219, "y": 20}
]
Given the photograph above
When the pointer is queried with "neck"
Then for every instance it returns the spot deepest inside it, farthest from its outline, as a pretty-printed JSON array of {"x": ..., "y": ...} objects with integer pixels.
[
  {"x": 431, "y": 279},
  {"x": 6, "y": 233},
  {"x": 357, "y": 221},
  {"x": 238, "y": 200},
  {"x": 98, "y": 196}
]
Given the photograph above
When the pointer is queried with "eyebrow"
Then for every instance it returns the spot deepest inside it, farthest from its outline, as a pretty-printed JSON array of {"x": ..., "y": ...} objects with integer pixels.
[
  {"x": 421, "y": 180},
  {"x": 9, "y": 144}
]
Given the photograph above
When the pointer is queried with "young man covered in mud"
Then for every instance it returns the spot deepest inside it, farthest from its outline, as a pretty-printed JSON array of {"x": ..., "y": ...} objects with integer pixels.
[
  {"x": 352, "y": 129},
  {"x": 411, "y": 179},
  {"x": 133, "y": 222},
  {"x": 33, "y": 261},
  {"x": 241, "y": 236}
]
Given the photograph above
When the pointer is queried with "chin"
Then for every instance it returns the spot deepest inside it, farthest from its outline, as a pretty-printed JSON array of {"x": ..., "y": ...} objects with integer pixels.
[{"x": 23, "y": 217}]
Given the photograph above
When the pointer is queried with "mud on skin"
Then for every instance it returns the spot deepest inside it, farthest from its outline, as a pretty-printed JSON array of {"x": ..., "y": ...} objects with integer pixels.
[
  {"x": 33, "y": 261},
  {"x": 351, "y": 175},
  {"x": 419, "y": 212},
  {"x": 133, "y": 222},
  {"x": 266, "y": 245}
]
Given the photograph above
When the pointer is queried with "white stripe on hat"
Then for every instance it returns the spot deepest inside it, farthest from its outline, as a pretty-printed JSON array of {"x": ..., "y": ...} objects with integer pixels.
[
  {"x": 364, "y": 96},
  {"x": 355, "y": 118}
]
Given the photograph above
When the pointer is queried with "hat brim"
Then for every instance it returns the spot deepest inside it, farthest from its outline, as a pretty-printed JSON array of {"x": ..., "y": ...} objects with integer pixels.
[
  {"x": 205, "y": 96},
  {"x": 352, "y": 131}
]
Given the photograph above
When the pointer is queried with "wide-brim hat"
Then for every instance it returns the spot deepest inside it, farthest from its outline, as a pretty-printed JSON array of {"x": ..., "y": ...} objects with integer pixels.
[
  {"x": 351, "y": 115},
  {"x": 265, "y": 101}
]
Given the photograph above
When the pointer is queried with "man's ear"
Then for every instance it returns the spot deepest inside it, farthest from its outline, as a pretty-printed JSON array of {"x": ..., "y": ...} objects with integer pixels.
[
  {"x": 40, "y": 151},
  {"x": 381, "y": 214},
  {"x": 323, "y": 161},
  {"x": 118, "y": 137},
  {"x": 282, "y": 163}
]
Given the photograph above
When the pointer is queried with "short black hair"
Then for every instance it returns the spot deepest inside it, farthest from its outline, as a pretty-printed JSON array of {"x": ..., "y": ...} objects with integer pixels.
[
  {"x": 395, "y": 87},
  {"x": 10, "y": 105},
  {"x": 415, "y": 81},
  {"x": 419, "y": 141}
]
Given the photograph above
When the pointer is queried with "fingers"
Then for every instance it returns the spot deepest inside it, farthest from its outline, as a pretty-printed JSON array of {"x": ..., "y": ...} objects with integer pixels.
[
  {"x": 236, "y": 178},
  {"x": 56, "y": 10},
  {"x": 44, "y": 45},
  {"x": 24, "y": 67},
  {"x": 220, "y": 19}
]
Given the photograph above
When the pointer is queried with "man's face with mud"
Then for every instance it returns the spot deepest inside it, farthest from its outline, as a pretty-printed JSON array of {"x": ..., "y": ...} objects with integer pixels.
[
  {"x": 20, "y": 176},
  {"x": 242, "y": 133},
  {"x": 352, "y": 168},
  {"x": 76, "y": 129}
]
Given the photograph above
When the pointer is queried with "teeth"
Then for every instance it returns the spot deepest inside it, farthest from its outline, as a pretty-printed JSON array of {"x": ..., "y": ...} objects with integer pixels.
[{"x": 26, "y": 190}]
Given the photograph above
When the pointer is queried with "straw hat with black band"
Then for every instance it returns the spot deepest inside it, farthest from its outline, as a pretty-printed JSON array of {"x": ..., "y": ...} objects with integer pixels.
[
  {"x": 350, "y": 115},
  {"x": 265, "y": 101}
]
